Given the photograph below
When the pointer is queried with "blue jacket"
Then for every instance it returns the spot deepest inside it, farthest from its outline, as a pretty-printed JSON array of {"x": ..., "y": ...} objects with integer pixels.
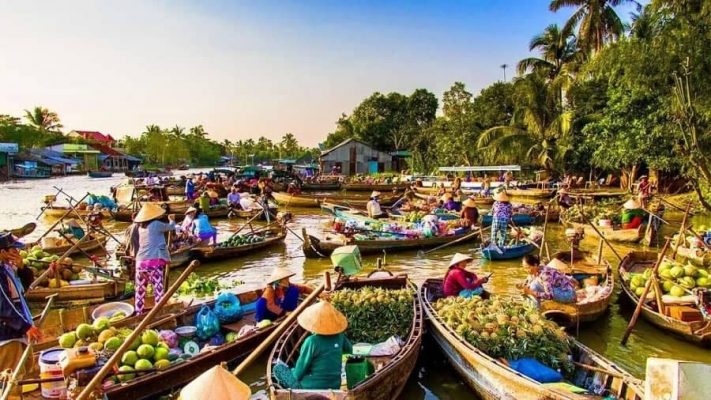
[{"x": 15, "y": 316}]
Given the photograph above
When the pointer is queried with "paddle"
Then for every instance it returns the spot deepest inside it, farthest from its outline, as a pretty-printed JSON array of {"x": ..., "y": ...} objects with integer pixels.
[
  {"x": 24, "y": 230},
  {"x": 283, "y": 325},
  {"x": 28, "y": 350},
  {"x": 643, "y": 297},
  {"x": 98, "y": 378},
  {"x": 421, "y": 253},
  {"x": 545, "y": 228}
]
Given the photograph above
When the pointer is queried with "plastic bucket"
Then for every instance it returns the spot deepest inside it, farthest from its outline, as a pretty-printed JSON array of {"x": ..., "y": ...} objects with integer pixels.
[
  {"x": 49, "y": 368},
  {"x": 357, "y": 370}
]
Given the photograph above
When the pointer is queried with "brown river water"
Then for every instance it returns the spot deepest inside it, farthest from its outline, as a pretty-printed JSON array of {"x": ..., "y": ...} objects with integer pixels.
[{"x": 20, "y": 203}]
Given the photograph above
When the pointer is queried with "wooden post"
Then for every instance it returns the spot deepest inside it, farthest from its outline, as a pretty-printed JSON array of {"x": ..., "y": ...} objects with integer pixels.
[
  {"x": 643, "y": 297},
  {"x": 96, "y": 380},
  {"x": 682, "y": 229}
]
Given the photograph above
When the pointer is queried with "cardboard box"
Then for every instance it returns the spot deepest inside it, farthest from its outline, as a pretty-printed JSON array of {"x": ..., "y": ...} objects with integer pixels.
[
  {"x": 684, "y": 313},
  {"x": 676, "y": 380}
]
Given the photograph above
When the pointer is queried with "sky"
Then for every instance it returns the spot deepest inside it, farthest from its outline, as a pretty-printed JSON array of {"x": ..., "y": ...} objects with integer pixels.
[{"x": 249, "y": 68}]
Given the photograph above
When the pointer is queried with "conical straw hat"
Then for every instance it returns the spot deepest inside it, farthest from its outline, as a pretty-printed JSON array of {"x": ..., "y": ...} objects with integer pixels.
[
  {"x": 459, "y": 257},
  {"x": 501, "y": 196},
  {"x": 632, "y": 204},
  {"x": 216, "y": 383},
  {"x": 374, "y": 194},
  {"x": 149, "y": 211},
  {"x": 278, "y": 274},
  {"x": 557, "y": 264},
  {"x": 323, "y": 318},
  {"x": 469, "y": 202}
]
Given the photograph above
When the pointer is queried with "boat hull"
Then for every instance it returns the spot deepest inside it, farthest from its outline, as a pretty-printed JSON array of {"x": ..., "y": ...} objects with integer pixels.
[
  {"x": 614, "y": 235},
  {"x": 97, "y": 292},
  {"x": 316, "y": 200},
  {"x": 508, "y": 252},
  {"x": 518, "y": 219}
]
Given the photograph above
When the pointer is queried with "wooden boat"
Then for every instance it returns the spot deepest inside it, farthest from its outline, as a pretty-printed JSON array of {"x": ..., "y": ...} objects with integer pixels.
[
  {"x": 320, "y": 186},
  {"x": 583, "y": 311},
  {"x": 614, "y": 235},
  {"x": 97, "y": 242},
  {"x": 597, "y": 194},
  {"x": 59, "y": 211},
  {"x": 426, "y": 193},
  {"x": 92, "y": 292},
  {"x": 491, "y": 379},
  {"x": 698, "y": 332},
  {"x": 697, "y": 256},
  {"x": 518, "y": 219},
  {"x": 366, "y": 187},
  {"x": 507, "y": 252},
  {"x": 275, "y": 235},
  {"x": 143, "y": 174},
  {"x": 177, "y": 207},
  {"x": 303, "y": 200},
  {"x": 531, "y": 193},
  {"x": 178, "y": 257},
  {"x": 100, "y": 174},
  {"x": 175, "y": 190},
  {"x": 314, "y": 247},
  {"x": 392, "y": 372}
]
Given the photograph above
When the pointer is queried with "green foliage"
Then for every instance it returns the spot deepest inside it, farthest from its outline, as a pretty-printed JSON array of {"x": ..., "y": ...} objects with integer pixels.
[{"x": 41, "y": 130}]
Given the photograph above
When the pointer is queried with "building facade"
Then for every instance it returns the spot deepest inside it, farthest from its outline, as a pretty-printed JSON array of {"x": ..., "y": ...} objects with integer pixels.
[{"x": 352, "y": 157}]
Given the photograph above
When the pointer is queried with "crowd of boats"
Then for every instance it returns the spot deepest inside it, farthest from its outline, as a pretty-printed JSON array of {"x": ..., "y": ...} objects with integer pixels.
[{"x": 414, "y": 219}]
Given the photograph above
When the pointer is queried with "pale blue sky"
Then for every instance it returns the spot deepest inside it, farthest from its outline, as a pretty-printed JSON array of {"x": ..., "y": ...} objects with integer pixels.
[{"x": 246, "y": 69}]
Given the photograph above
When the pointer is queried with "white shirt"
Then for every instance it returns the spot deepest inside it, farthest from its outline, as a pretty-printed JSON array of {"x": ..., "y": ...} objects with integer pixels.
[{"x": 373, "y": 208}]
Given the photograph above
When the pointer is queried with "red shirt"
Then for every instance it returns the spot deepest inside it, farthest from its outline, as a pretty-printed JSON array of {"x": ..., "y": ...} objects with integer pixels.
[{"x": 458, "y": 279}]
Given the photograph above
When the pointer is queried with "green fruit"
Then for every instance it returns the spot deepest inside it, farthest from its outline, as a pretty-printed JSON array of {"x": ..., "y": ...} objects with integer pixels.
[
  {"x": 23, "y": 253},
  {"x": 113, "y": 343},
  {"x": 126, "y": 377},
  {"x": 667, "y": 285},
  {"x": 83, "y": 331},
  {"x": 637, "y": 281},
  {"x": 231, "y": 337},
  {"x": 150, "y": 337},
  {"x": 143, "y": 364},
  {"x": 665, "y": 265},
  {"x": 677, "y": 271},
  {"x": 676, "y": 291},
  {"x": 162, "y": 345},
  {"x": 666, "y": 274},
  {"x": 161, "y": 364},
  {"x": 136, "y": 343},
  {"x": 647, "y": 274},
  {"x": 690, "y": 271},
  {"x": 129, "y": 358},
  {"x": 687, "y": 282},
  {"x": 161, "y": 354},
  {"x": 704, "y": 273},
  {"x": 146, "y": 351},
  {"x": 96, "y": 346},
  {"x": 702, "y": 281},
  {"x": 639, "y": 291},
  {"x": 67, "y": 340},
  {"x": 100, "y": 324}
]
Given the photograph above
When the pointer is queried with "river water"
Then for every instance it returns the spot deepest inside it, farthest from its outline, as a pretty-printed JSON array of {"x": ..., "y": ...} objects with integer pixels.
[{"x": 20, "y": 203}]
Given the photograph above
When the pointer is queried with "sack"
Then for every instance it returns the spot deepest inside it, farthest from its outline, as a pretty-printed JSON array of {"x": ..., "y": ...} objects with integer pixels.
[
  {"x": 535, "y": 370},
  {"x": 227, "y": 308},
  {"x": 206, "y": 323}
]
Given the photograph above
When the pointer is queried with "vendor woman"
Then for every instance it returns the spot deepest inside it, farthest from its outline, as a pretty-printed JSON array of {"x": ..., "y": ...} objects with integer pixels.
[
  {"x": 279, "y": 295},
  {"x": 470, "y": 214},
  {"x": 549, "y": 282},
  {"x": 632, "y": 214},
  {"x": 460, "y": 282},
  {"x": 373, "y": 206}
]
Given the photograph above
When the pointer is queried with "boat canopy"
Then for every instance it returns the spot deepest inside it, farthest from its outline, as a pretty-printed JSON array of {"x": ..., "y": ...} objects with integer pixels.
[{"x": 481, "y": 168}]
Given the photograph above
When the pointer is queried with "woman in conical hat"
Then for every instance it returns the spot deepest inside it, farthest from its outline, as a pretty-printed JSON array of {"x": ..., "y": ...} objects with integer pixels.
[
  {"x": 633, "y": 215},
  {"x": 321, "y": 354},
  {"x": 460, "y": 282},
  {"x": 373, "y": 206},
  {"x": 216, "y": 383},
  {"x": 470, "y": 213},
  {"x": 502, "y": 211},
  {"x": 279, "y": 295},
  {"x": 152, "y": 255}
]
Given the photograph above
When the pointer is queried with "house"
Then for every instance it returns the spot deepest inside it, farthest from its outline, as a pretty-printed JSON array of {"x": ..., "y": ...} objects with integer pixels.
[
  {"x": 93, "y": 137},
  {"x": 7, "y": 150},
  {"x": 352, "y": 157},
  {"x": 29, "y": 166},
  {"x": 112, "y": 159},
  {"x": 60, "y": 165},
  {"x": 87, "y": 156}
]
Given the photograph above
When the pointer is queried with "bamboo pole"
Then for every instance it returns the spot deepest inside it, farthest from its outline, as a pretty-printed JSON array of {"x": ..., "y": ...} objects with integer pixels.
[
  {"x": 582, "y": 214},
  {"x": 545, "y": 228},
  {"x": 283, "y": 325},
  {"x": 682, "y": 229},
  {"x": 96, "y": 380},
  {"x": 59, "y": 220},
  {"x": 643, "y": 297},
  {"x": 27, "y": 353}
]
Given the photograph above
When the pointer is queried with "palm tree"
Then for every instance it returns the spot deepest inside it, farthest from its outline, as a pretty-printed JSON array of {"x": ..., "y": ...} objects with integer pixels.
[
  {"x": 596, "y": 20},
  {"x": 43, "y": 119},
  {"x": 178, "y": 131},
  {"x": 557, "y": 49},
  {"x": 538, "y": 130}
]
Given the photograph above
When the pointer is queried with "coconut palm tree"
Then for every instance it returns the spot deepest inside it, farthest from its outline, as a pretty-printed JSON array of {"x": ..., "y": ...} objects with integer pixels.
[
  {"x": 557, "y": 49},
  {"x": 597, "y": 21},
  {"x": 538, "y": 131},
  {"x": 43, "y": 119}
]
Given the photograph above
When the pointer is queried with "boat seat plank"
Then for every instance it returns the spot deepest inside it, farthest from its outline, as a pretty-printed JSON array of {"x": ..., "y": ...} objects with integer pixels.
[{"x": 248, "y": 319}]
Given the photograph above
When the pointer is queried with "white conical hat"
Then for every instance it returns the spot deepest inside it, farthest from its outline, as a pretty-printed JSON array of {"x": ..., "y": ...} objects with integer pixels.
[
  {"x": 459, "y": 257},
  {"x": 323, "y": 318},
  {"x": 632, "y": 204},
  {"x": 216, "y": 383},
  {"x": 149, "y": 211}
]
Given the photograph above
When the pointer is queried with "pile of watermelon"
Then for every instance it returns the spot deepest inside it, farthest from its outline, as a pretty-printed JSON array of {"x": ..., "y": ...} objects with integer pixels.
[
  {"x": 674, "y": 277},
  {"x": 241, "y": 240}
]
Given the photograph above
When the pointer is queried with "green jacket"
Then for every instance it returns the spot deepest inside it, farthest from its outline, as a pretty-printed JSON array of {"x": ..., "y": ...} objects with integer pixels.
[{"x": 319, "y": 363}]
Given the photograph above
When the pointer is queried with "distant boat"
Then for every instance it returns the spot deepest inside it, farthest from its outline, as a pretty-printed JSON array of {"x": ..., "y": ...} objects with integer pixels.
[{"x": 100, "y": 174}]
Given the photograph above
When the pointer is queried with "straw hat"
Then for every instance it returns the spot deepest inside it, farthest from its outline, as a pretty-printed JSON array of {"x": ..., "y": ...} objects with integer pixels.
[
  {"x": 632, "y": 204},
  {"x": 213, "y": 194},
  {"x": 643, "y": 176},
  {"x": 216, "y": 383},
  {"x": 557, "y": 264},
  {"x": 190, "y": 210},
  {"x": 73, "y": 223},
  {"x": 501, "y": 196},
  {"x": 374, "y": 194},
  {"x": 446, "y": 196},
  {"x": 149, "y": 212},
  {"x": 322, "y": 318},
  {"x": 278, "y": 274},
  {"x": 459, "y": 257},
  {"x": 469, "y": 202}
]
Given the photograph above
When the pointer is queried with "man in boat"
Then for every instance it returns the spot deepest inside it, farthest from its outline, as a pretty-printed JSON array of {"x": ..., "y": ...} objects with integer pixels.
[
  {"x": 293, "y": 188},
  {"x": 502, "y": 211},
  {"x": 15, "y": 318},
  {"x": 548, "y": 282},
  {"x": 373, "y": 206},
  {"x": 321, "y": 355},
  {"x": 233, "y": 198},
  {"x": 279, "y": 295},
  {"x": 486, "y": 186},
  {"x": 632, "y": 214},
  {"x": 460, "y": 282},
  {"x": 469, "y": 213},
  {"x": 645, "y": 189},
  {"x": 72, "y": 230}
]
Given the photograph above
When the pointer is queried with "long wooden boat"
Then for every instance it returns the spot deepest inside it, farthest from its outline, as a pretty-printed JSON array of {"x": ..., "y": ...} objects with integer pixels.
[
  {"x": 175, "y": 190},
  {"x": 426, "y": 193},
  {"x": 303, "y": 200},
  {"x": 491, "y": 379},
  {"x": 634, "y": 235},
  {"x": 100, "y": 174},
  {"x": 698, "y": 332},
  {"x": 275, "y": 235},
  {"x": 178, "y": 257},
  {"x": 366, "y": 187},
  {"x": 94, "y": 292},
  {"x": 314, "y": 247},
  {"x": 320, "y": 186},
  {"x": 97, "y": 242},
  {"x": 507, "y": 252},
  {"x": 598, "y": 194},
  {"x": 583, "y": 310},
  {"x": 392, "y": 372},
  {"x": 59, "y": 211},
  {"x": 531, "y": 193}
]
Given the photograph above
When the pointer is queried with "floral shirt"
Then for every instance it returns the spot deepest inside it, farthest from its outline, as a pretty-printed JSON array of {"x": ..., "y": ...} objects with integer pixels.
[
  {"x": 554, "y": 282},
  {"x": 502, "y": 210}
]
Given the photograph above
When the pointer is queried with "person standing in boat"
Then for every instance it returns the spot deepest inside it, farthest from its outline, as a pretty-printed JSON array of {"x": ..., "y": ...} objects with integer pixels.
[
  {"x": 486, "y": 186},
  {"x": 321, "y": 355},
  {"x": 279, "y": 295},
  {"x": 373, "y": 206},
  {"x": 564, "y": 199},
  {"x": 645, "y": 189},
  {"x": 469, "y": 213},
  {"x": 502, "y": 211},
  {"x": 460, "y": 282},
  {"x": 152, "y": 255},
  {"x": 189, "y": 188},
  {"x": 449, "y": 204},
  {"x": 16, "y": 326}
]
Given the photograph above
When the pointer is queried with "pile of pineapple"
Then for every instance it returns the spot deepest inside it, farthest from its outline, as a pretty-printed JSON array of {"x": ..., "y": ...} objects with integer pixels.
[{"x": 505, "y": 328}]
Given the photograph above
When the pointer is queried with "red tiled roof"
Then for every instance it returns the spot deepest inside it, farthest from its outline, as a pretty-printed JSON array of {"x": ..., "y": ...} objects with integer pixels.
[
  {"x": 95, "y": 135},
  {"x": 106, "y": 150}
]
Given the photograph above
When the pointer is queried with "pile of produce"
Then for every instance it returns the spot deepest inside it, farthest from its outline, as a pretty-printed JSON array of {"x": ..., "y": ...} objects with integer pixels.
[
  {"x": 239, "y": 240},
  {"x": 592, "y": 212},
  {"x": 674, "y": 277},
  {"x": 375, "y": 314},
  {"x": 200, "y": 286},
  {"x": 415, "y": 216},
  {"x": 63, "y": 272},
  {"x": 505, "y": 328}
]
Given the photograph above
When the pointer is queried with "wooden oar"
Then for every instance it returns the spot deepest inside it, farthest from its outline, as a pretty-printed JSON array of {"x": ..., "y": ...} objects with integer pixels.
[
  {"x": 643, "y": 297},
  {"x": 283, "y": 325},
  {"x": 682, "y": 229},
  {"x": 28, "y": 351},
  {"x": 545, "y": 228},
  {"x": 24, "y": 230},
  {"x": 98, "y": 378},
  {"x": 421, "y": 253}
]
